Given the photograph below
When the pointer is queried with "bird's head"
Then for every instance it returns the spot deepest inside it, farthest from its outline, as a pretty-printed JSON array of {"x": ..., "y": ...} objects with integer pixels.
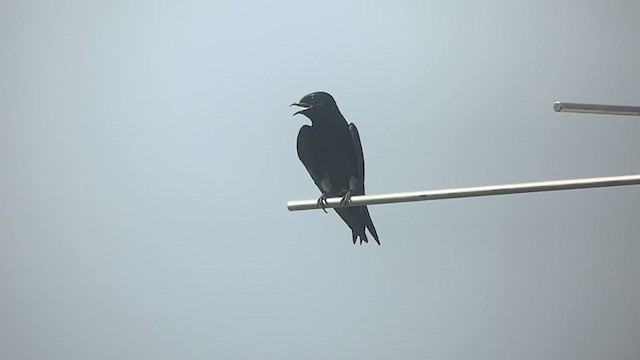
[{"x": 315, "y": 103}]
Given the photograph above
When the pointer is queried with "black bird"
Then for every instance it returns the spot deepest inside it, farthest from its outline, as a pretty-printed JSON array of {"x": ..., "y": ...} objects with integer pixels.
[{"x": 330, "y": 149}]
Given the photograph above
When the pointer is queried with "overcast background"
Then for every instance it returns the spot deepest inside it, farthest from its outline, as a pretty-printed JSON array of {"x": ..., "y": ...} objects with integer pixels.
[{"x": 147, "y": 152}]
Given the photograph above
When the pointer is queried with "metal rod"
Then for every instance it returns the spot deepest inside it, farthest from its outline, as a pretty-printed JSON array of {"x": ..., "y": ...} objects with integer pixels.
[
  {"x": 596, "y": 109},
  {"x": 472, "y": 192}
]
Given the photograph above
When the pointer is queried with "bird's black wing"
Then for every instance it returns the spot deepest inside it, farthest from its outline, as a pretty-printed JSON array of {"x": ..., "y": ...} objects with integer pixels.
[
  {"x": 308, "y": 155},
  {"x": 361, "y": 212},
  {"x": 357, "y": 148}
]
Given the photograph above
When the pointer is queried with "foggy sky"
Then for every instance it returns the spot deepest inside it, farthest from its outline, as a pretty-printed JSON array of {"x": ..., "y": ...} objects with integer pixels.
[{"x": 148, "y": 152}]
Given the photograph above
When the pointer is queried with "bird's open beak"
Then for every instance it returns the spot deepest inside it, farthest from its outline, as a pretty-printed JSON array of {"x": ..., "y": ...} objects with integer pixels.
[{"x": 303, "y": 105}]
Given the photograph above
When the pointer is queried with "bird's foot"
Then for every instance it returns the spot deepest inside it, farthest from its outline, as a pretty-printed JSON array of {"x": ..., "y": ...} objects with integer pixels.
[
  {"x": 322, "y": 201},
  {"x": 346, "y": 199}
]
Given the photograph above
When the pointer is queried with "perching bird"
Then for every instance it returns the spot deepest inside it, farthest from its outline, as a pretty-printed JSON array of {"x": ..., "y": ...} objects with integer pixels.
[{"x": 330, "y": 150}]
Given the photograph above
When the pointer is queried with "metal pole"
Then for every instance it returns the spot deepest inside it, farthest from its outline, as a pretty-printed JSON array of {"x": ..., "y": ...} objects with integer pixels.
[
  {"x": 596, "y": 109},
  {"x": 472, "y": 192}
]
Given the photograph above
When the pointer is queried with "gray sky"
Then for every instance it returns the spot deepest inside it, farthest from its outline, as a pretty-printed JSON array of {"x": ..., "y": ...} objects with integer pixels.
[{"x": 148, "y": 152}]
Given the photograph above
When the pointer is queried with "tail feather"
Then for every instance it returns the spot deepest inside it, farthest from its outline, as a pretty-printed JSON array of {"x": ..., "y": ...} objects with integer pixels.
[
  {"x": 361, "y": 234},
  {"x": 369, "y": 224},
  {"x": 358, "y": 220}
]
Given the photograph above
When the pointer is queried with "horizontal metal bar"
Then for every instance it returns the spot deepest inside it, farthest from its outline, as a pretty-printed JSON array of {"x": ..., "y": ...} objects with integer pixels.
[
  {"x": 472, "y": 192},
  {"x": 596, "y": 109}
]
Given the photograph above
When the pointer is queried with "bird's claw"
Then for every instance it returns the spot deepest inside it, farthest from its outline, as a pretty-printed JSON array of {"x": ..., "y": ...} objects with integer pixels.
[
  {"x": 346, "y": 199},
  {"x": 322, "y": 201}
]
